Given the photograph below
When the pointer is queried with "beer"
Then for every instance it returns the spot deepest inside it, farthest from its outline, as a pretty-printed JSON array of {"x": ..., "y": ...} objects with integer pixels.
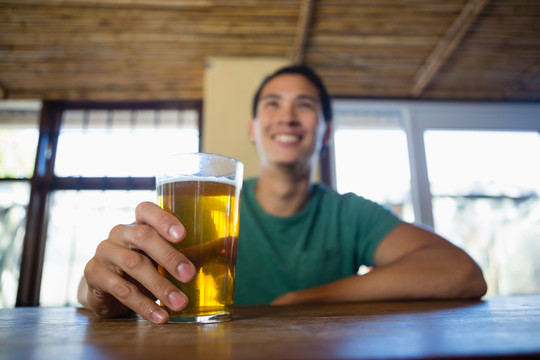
[{"x": 208, "y": 209}]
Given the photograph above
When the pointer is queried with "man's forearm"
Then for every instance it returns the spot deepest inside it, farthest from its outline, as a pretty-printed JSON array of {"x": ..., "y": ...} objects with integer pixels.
[{"x": 427, "y": 273}]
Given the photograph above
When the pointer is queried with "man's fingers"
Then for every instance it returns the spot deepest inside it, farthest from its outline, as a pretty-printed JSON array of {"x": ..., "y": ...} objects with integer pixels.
[
  {"x": 139, "y": 267},
  {"x": 146, "y": 239},
  {"x": 165, "y": 223},
  {"x": 126, "y": 293}
]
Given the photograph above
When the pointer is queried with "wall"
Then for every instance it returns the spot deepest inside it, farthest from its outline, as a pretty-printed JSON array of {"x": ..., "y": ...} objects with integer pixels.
[{"x": 229, "y": 86}]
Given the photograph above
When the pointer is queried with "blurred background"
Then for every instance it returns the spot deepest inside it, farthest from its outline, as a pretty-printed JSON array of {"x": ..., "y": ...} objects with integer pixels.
[{"x": 437, "y": 117}]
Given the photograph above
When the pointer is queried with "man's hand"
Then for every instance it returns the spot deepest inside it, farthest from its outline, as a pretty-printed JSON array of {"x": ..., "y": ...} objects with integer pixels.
[{"x": 122, "y": 274}]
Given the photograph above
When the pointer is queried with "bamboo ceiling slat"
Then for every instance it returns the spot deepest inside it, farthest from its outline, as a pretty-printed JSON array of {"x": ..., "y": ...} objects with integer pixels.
[
  {"x": 117, "y": 3},
  {"x": 373, "y": 40},
  {"x": 347, "y": 76},
  {"x": 108, "y": 87},
  {"x": 460, "y": 93},
  {"x": 392, "y": 7},
  {"x": 373, "y": 65},
  {"x": 152, "y": 4},
  {"x": 219, "y": 10},
  {"x": 103, "y": 23},
  {"x": 345, "y": 27},
  {"x": 371, "y": 50},
  {"x": 109, "y": 94}
]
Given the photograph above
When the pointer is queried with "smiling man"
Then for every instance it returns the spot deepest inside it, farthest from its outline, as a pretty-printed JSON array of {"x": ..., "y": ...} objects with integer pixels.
[{"x": 299, "y": 242}]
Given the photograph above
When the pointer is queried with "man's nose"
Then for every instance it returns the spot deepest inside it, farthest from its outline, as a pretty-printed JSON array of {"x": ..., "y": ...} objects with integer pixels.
[{"x": 288, "y": 116}]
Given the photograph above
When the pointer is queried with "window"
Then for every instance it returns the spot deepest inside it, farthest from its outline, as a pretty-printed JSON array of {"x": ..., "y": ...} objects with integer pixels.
[
  {"x": 122, "y": 143},
  {"x": 468, "y": 170},
  {"x": 19, "y": 133},
  {"x": 103, "y": 143},
  {"x": 486, "y": 197},
  {"x": 94, "y": 165},
  {"x": 372, "y": 159}
]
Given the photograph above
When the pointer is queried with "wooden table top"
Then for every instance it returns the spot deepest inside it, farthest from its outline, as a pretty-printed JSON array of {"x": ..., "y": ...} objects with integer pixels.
[{"x": 494, "y": 327}]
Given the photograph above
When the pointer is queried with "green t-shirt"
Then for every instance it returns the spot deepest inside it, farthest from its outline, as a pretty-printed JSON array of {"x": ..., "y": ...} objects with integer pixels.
[{"x": 327, "y": 240}]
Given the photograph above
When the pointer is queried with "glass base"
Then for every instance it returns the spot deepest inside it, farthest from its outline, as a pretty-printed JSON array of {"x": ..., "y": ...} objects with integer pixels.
[{"x": 205, "y": 319}]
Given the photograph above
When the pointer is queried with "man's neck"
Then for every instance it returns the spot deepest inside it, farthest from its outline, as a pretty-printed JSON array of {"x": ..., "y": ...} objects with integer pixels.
[{"x": 282, "y": 192}]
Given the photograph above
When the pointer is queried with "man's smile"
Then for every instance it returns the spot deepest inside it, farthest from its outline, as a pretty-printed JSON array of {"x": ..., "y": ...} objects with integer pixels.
[{"x": 287, "y": 138}]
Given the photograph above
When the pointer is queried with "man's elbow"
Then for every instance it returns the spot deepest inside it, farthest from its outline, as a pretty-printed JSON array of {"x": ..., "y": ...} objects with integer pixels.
[{"x": 473, "y": 284}]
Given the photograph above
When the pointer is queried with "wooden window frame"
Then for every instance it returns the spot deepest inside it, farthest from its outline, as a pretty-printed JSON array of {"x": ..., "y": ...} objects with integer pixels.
[{"x": 44, "y": 182}]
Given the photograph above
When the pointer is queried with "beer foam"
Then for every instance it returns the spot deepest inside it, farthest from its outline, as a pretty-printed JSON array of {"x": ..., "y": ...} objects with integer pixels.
[{"x": 186, "y": 178}]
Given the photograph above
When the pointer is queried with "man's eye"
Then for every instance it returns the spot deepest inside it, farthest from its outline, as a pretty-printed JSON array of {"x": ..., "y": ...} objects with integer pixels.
[
  {"x": 306, "y": 105},
  {"x": 271, "y": 104}
]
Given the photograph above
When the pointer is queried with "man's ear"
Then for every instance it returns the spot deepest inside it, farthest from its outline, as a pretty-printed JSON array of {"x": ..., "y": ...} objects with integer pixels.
[{"x": 327, "y": 133}]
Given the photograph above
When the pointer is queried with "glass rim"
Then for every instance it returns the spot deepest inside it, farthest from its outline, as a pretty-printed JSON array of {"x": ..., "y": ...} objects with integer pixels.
[
  {"x": 164, "y": 176},
  {"x": 204, "y": 154}
]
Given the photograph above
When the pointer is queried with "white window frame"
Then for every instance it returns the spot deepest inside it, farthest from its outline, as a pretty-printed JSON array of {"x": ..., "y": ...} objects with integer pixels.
[{"x": 420, "y": 116}]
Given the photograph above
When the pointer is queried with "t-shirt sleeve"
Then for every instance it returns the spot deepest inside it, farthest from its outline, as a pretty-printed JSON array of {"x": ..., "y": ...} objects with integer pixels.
[{"x": 372, "y": 222}]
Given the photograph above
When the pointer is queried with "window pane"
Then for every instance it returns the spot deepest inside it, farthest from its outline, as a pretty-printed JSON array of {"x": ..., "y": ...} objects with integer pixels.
[
  {"x": 78, "y": 222},
  {"x": 122, "y": 143},
  {"x": 19, "y": 123},
  {"x": 14, "y": 197},
  {"x": 486, "y": 198},
  {"x": 372, "y": 161},
  {"x": 18, "y": 138}
]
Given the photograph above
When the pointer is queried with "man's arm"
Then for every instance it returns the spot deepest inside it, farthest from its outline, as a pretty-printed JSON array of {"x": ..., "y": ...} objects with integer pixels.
[{"x": 410, "y": 263}]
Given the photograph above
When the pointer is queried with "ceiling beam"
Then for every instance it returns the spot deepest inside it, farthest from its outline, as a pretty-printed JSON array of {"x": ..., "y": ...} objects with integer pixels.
[
  {"x": 522, "y": 79},
  {"x": 447, "y": 44},
  {"x": 302, "y": 31}
]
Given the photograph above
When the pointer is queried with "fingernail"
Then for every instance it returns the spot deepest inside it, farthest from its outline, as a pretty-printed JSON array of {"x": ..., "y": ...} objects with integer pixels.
[
  {"x": 158, "y": 315},
  {"x": 177, "y": 300},
  {"x": 176, "y": 231},
  {"x": 186, "y": 271}
]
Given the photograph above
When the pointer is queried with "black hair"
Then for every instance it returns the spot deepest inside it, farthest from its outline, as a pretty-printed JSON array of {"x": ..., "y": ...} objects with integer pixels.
[{"x": 309, "y": 74}]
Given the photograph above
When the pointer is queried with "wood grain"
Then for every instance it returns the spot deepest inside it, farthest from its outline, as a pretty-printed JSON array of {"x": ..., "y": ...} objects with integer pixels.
[
  {"x": 447, "y": 44},
  {"x": 505, "y": 327},
  {"x": 143, "y": 49}
]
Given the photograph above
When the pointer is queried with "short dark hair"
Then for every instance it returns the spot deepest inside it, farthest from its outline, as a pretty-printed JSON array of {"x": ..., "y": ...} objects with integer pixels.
[{"x": 309, "y": 74}]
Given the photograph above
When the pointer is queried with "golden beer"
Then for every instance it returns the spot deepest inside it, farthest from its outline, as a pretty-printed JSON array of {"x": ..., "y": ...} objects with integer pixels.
[{"x": 209, "y": 210}]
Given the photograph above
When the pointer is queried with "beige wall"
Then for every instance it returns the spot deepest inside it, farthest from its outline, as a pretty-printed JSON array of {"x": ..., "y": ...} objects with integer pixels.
[{"x": 229, "y": 86}]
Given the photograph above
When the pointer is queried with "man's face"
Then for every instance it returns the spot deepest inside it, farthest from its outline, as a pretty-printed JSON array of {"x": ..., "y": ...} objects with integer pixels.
[{"x": 289, "y": 128}]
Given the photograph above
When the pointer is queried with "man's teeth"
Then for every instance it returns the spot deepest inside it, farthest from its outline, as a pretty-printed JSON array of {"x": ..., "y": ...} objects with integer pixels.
[{"x": 286, "y": 138}]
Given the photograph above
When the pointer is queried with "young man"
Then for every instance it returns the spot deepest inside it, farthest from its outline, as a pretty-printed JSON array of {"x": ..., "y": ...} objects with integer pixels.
[{"x": 299, "y": 242}]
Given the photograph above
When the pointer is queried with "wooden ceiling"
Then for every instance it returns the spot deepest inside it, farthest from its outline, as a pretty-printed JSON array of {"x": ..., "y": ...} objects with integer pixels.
[{"x": 156, "y": 49}]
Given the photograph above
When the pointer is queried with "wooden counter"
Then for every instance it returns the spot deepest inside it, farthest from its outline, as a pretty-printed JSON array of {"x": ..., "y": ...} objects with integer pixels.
[{"x": 496, "y": 327}]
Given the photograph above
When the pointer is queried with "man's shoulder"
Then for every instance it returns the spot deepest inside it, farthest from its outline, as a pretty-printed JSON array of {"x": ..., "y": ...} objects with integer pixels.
[
  {"x": 325, "y": 191},
  {"x": 350, "y": 204}
]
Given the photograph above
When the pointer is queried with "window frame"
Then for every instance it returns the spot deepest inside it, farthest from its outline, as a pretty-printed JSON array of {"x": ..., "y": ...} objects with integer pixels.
[
  {"x": 420, "y": 116},
  {"x": 44, "y": 181}
]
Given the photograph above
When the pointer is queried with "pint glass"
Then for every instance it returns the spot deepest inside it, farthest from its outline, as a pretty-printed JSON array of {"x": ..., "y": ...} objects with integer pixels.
[{"x": 203, "y": 192}]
